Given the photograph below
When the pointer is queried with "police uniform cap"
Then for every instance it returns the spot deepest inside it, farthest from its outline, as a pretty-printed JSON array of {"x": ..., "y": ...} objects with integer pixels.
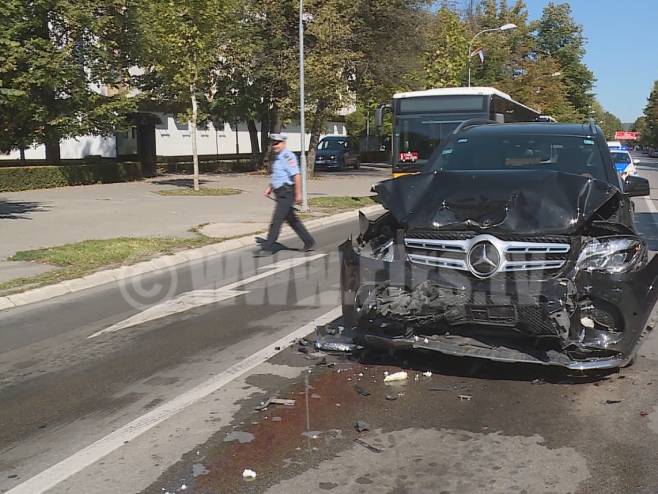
[{"x": 278, "y": 137}]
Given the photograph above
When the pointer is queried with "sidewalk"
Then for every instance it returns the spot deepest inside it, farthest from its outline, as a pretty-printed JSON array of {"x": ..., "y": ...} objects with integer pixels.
[{"x": 50, "y": 217}]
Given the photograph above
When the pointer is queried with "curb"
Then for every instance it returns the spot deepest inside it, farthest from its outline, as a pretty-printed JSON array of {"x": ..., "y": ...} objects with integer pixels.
[{"x": 117, "y": 274}]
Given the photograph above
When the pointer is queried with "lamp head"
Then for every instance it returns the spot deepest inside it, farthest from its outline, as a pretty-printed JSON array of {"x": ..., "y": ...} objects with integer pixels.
[{"x": 507, "y": 27}]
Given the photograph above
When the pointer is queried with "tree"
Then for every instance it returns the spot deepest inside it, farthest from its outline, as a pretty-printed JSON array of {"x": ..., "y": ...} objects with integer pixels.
[
  {"x": 178, "y": 45},
  {"x": 445, "y": 56},
  {"x": 538, "y": 85},
  {"x": 560, "y": 37},
  {"x": 650, "y": 135},
  {"x": 640, "y": 126},
  {"x": 54, "y": 57}
]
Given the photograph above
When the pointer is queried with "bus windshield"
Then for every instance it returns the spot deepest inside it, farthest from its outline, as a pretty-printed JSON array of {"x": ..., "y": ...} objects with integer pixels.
[{"x": 417, "y": 136}]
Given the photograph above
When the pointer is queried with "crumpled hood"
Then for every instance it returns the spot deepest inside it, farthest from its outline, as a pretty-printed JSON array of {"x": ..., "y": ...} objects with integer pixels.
[{"x": 523, "y": 202}]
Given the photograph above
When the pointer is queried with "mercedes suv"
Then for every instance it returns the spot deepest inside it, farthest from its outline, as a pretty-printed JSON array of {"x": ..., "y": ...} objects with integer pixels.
[{"x": 515, "y": 244}]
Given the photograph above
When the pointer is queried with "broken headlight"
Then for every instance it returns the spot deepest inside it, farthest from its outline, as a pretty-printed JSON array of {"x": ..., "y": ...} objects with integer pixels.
[
  {"x": 612, "y": 255},
  {"x": 381, "y": 252}
]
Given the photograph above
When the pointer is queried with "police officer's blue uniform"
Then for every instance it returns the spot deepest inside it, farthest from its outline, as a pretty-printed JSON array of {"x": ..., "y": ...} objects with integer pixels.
[{"x": 284, "y": 170}]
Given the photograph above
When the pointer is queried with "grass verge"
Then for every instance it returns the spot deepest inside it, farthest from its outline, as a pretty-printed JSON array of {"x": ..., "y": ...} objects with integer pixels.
[
  {"x": 83, "y": 258},
  {"x": 331, "y": 205},
  {"x": 203, "y": 191}
]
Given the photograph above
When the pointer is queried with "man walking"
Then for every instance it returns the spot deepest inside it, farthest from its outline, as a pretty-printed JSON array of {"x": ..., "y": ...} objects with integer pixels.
[{"x": 286, "y": 183}]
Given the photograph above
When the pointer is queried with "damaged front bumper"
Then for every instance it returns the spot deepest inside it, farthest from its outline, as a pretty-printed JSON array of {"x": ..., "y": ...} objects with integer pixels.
[{"x": 581, "y": 320}]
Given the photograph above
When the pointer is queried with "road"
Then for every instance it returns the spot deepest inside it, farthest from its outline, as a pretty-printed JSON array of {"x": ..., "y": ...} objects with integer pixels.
[{"x": 107, "y": 391}]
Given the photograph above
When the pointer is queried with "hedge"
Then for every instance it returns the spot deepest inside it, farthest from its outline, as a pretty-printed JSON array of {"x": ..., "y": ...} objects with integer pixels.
[
  {"x": 43, "y": 177},
  {"x": 209, "y": 167}
]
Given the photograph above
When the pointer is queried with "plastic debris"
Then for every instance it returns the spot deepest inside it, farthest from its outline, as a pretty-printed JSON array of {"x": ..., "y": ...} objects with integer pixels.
[
  {"x": 426, "y": 340},
  {"x": 643, "y": 414},
  {"x": 334, "y": 338},
  {"x": 612, "y": 402},
  {"x": 361, "y": 426},
  {"x": 183, "y": 487},
  {"x": 248, "y": 474},
  {"x": 239, "y": 436},
  {"x": 537, "y": 381},
  {"x": 361, "y": 442},
  {"x": 396, "y": 376},
  {"x": 274, "y": 401},
  {"x": 465, "y": 397},
  {"x": 361, "y": 391},
  {"x": 427, "y": 373},
  {"x": 391, "y": 397},
  {"x": 587, "y": 322},
  {"x": 282, "y": 401}
]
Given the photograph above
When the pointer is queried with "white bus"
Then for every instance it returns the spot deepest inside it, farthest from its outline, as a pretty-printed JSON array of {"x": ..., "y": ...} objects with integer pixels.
[{"x": 423, "y": 119}]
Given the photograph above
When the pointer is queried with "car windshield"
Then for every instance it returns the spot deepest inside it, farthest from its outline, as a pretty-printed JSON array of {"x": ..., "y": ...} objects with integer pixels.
[
  {"x": 621, "y": 157},
  {"x": 333, "y": 144},
  {"x": 570, "y": 154}
]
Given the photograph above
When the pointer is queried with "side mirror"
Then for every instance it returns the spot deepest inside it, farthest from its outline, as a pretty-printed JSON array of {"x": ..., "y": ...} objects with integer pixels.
[
  {"x": 636, "y": 162},
  {"x": 379, "y": 115},
  {"x": 636, "y": 186}
]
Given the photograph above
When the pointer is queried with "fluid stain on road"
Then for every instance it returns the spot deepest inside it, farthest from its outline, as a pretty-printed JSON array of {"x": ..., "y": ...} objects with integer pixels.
[{"x": 425, "y": 439}]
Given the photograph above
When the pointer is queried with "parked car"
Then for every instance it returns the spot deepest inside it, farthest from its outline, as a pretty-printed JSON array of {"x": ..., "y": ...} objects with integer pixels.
[
  {"x": 337, "y": 153},
  {"x": 624, "y": 163},
  {"x": 515, "y": 244}
]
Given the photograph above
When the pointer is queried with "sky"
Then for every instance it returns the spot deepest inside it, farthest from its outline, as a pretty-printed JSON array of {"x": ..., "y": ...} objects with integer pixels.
[{"x": 622, "y": 49}]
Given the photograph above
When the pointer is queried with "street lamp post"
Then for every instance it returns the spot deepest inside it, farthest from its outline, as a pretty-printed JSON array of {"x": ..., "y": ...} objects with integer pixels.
[
  {"x": 302, "y": 130},
  {"x": 504, "y": 27}
]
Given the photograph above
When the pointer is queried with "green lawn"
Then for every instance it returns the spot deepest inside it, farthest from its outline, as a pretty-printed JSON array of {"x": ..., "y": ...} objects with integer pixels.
[
  {"x": 337, "y": 204},
  {"x": 203, "y": 191},
  {"x": 83, "y": 258}
]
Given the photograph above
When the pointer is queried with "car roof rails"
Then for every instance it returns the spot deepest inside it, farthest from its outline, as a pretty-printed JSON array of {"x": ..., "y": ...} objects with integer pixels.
[{"x": 473, "y": 122}]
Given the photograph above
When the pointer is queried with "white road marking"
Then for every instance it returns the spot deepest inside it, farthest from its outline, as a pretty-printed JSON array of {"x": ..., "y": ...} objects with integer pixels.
[
  {"x": 650, "y": 205},
  {"x": 199, "y": 298},
  {"x": 77, "y": 462}
]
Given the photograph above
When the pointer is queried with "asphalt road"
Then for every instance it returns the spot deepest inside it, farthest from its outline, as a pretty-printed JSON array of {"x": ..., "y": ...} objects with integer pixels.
[{"x": 99, "y": 395}]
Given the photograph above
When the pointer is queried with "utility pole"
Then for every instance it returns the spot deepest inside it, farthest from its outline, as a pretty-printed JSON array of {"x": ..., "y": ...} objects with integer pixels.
[{"x": 302, "y": 130}]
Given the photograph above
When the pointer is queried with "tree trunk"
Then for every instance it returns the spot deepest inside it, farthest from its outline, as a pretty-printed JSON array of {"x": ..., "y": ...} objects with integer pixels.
[
  {"x": 195, "y": 154},
  {"x": 53, "y": 156},
  {"x": 316, "y": 130},
  {"x": 21, "y": 151},
  {"x": 275, "y": 120},
  {"x": 264, "y": 137},
  {"x": 253, "y": 139}
]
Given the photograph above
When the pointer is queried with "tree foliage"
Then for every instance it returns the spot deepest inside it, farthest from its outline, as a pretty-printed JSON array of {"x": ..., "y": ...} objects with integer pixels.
[
  {"x": 560, "y": 37},
  {"x": 650, "y": 131},
  {"x": 54, "y": 55}
]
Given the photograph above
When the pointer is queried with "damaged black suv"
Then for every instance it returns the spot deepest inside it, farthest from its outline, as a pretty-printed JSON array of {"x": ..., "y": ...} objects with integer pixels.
[{"x": 515, "y": 244}]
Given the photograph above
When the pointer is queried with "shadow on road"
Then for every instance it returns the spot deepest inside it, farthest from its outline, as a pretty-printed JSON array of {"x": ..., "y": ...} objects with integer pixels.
[{"x": 19, "y": 210}]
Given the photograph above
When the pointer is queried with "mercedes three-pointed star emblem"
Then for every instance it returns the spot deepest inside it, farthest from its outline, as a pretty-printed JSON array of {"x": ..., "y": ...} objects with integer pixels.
[{"x": 483, "y": 259}]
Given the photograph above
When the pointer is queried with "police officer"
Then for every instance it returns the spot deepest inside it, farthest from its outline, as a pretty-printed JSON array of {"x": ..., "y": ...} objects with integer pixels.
[{"x": 286, "y": 184}]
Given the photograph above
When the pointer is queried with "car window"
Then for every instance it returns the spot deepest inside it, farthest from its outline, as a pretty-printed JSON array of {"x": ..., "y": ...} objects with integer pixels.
[
  {"x": 334, "y": 144},
  {"x": 569, "y": 154},
  {"x": 621, "y": 157}
]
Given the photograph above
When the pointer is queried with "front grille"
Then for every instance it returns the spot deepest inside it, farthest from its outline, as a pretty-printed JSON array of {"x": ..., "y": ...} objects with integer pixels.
[{"x": 452, "y": 250}]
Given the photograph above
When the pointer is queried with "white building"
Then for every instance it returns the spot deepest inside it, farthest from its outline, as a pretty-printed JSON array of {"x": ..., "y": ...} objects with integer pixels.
[{"x": 173, "y": 138}]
